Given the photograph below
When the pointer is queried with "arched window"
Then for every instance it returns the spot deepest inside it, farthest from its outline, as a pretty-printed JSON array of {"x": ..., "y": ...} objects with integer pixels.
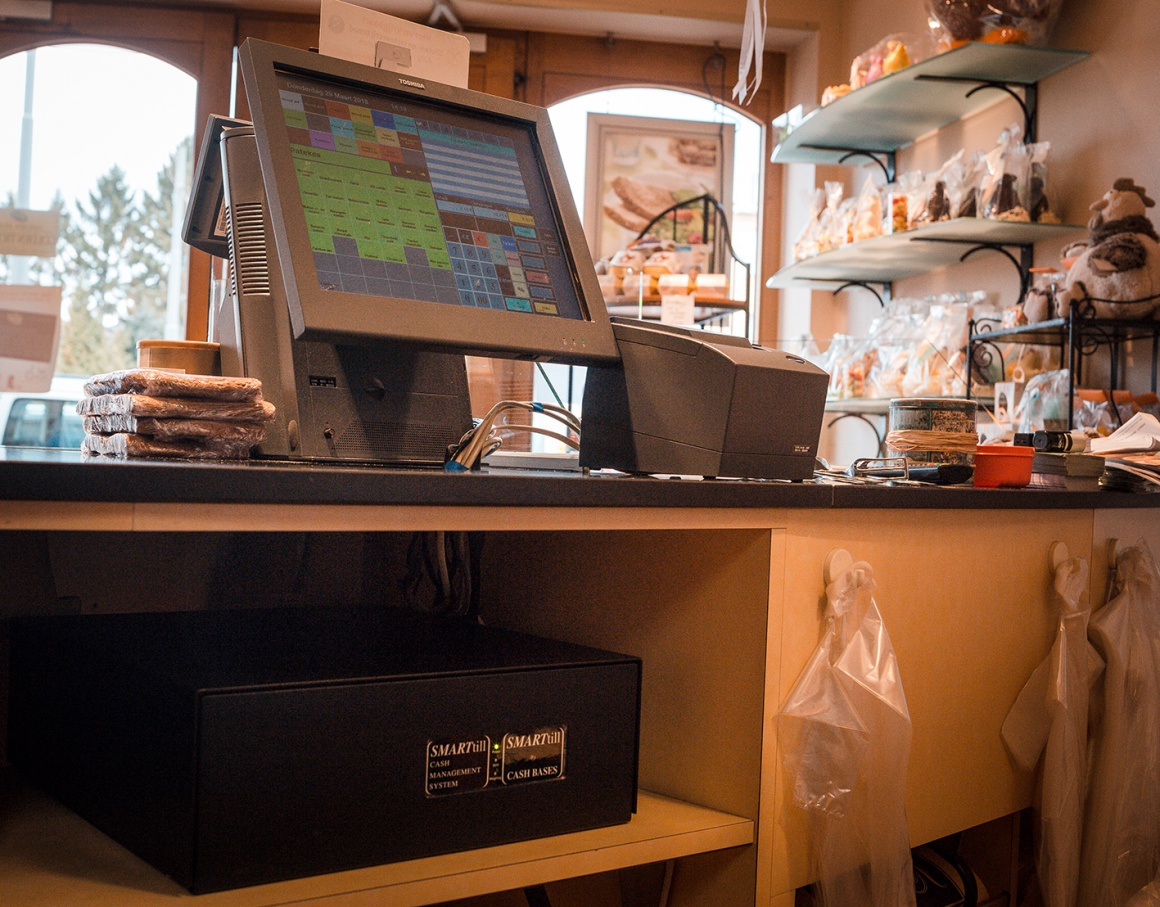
[
  {"x": 570, "y": 123},
  {"x": 196, "y": 43},
  {"x": 743, "y": 195},
  {"x": 106, "y": 139}
]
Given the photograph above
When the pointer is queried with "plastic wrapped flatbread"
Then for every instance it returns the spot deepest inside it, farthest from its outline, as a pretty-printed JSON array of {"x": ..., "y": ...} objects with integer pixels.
[
  {"x": 175, "y": 429},
  {"x": 143, "y": 405},
  {"x": 159, "y": 383},
  {"x": 128, "y": 445}
]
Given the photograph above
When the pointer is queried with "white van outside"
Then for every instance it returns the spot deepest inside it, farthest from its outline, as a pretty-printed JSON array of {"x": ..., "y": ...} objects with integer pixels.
[{"x": 43, "y": 420}]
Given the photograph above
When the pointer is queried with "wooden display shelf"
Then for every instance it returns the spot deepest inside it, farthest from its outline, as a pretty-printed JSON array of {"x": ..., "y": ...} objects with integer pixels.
[
  {"x": 49, "y": 855},
  {"x": 649, "y": 308},
  {"x": 709, "y": 302}
]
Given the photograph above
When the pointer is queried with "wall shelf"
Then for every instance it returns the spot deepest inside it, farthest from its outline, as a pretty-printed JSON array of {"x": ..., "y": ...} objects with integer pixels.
[
  {"x": 893, "y": 111},
  {"x": 52, "y": 856},
  {"x": 893, "y": 256}
]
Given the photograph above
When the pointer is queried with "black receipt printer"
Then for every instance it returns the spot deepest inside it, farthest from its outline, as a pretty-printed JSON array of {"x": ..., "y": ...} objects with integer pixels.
[{"x": 683, "y": 401}]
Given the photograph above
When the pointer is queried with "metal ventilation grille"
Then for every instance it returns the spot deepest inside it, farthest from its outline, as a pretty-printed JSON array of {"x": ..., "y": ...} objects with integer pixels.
[
  {"x": 248, "y": 248},
  {"x": 378, "y": 438}
]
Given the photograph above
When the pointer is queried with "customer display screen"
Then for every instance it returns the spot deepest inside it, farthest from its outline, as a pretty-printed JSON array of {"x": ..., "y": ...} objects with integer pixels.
[{"x": 409, "y": 199}]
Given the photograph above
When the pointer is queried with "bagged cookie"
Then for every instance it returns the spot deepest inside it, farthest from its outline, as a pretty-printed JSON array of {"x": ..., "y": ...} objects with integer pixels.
[
  {"x": 176, "y": 408},
  {"x": 161, "y": 383}
]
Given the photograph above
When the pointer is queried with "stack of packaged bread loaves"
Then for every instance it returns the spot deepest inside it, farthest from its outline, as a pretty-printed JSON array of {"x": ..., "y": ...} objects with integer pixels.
[{"x": 154, "y": 413}]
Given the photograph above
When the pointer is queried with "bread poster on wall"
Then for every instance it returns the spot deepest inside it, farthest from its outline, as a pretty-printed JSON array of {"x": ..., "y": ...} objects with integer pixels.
[{"x": 637, "y": 167}]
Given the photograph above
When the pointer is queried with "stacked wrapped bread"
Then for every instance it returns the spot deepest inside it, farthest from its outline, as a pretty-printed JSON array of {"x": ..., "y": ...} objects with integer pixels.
[{"x": 153, "y": 413}]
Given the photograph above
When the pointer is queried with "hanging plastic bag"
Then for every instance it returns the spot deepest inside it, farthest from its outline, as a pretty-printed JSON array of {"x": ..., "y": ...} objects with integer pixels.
[
  {"x": 1047, "y": 726},
  {"x": 1121, "y": 844},
  {"x": 845, "y": 732}
]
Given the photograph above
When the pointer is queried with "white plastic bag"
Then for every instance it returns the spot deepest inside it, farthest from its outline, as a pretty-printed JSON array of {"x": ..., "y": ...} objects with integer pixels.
[
  {"x": 1050, "y": 720},
  {"x": 845, "y": 732},
  {"x": 1121, "y": 843}
]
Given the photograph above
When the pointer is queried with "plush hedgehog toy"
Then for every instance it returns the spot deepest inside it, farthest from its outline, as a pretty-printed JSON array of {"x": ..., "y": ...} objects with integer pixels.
[{"x": 1118, "y": 267}]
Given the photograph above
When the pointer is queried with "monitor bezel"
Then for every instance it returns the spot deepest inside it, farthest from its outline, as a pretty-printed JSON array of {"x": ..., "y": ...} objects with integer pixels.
[{"x": 339, "y": 317}]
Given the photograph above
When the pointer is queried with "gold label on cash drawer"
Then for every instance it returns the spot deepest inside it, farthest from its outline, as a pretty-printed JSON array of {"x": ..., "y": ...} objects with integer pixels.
[{"x": 474, "y": 763}]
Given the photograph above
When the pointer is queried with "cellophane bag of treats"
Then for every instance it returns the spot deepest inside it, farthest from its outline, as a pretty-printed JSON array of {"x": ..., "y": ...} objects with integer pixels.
[
  {"x": 898, "y": 332},
  {"x": 831, "y": 230},
  {"x": 936, "y": 204},
  {"x": 1006, "y": 193},
  {"x": 957, "y": 22},
  {"x": 867, "y": 212},
  {"x": 893, "y": 53},
  {"x": 806, "y": 245},
  {"x": 965, "y": 201},
  {"x": 833, "y": 361}
]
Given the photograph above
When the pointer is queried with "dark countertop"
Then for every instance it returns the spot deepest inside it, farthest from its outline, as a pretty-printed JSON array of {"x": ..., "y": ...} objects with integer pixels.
[{"x": 46, "y": 475}]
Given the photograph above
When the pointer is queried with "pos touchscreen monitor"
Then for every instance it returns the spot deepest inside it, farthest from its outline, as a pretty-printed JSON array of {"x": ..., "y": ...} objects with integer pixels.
[{"x": 407, "y": 211}]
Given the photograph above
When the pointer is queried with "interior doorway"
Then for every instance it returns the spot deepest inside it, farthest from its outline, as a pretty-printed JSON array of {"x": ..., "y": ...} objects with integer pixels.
[{"x": 569, "y": 122}]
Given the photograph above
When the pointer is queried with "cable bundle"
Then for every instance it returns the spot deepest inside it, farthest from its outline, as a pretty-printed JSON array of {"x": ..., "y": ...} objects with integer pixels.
[
  {"x": 154, "y": 413},
  {"x": 485, "y": 437}
]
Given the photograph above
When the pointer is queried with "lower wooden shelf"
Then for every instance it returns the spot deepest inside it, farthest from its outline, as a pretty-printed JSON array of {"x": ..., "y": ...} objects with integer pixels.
[{"x": 49, "y": 855}]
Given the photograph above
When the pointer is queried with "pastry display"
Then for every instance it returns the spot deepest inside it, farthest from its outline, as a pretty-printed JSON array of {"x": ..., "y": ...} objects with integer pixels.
[
  {"x": 625, "y": 262},
  {"x": 915, "y": 348},
  {"x": 663, "y": 262},
  {"x": 1008, "y": 183},
  {"x": 650, "y": 265}
]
